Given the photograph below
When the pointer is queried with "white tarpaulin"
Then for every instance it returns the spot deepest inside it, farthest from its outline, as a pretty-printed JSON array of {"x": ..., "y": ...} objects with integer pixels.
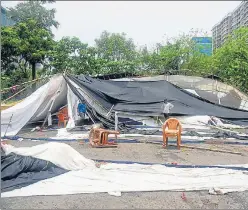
[
  {"x": 20, "y": 114},
  {"x": 60, "y": 154},
  {"x": 35, "y": 107},
  {"x": 72, "y": 102},
  {"x": 116, "y": 178}
]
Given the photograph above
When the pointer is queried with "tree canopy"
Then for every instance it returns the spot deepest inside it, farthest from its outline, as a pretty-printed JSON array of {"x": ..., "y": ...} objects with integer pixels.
[
  {"x": 231, "y": 60},
  {"x": 31, "y": 41},
  {"x": 45, "y": 18},
  {"x": 25, "y": 44},
  {"x": 66, "y": 54},
  {"x": 115, "y": 47}
]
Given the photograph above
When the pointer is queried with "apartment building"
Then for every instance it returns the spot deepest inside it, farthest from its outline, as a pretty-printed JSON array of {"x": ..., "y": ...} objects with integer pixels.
[
  {"x": 232, "y": 21},
  {"x": 5, "y": 20}
]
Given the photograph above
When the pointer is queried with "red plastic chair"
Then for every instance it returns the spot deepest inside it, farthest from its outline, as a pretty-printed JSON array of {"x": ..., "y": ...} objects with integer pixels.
[{"x": 172, "y": 128}]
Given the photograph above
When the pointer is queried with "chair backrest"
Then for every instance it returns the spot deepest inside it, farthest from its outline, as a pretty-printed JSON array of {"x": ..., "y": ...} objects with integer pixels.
[
  {"x": 61, "y": 116},
  {"x": 64, "y": 111},
  {"x": 172, "y": 124}
]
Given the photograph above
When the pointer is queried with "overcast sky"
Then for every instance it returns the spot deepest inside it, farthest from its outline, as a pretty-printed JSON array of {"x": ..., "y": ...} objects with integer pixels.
[{"x": 147, "y": 22}]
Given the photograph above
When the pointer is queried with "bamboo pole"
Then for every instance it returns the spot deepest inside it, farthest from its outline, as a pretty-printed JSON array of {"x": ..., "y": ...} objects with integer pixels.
[
  {"x": 24, "y": 83},
  {"x": 213, "y": 150},
  {"x": 15, "y": 94},
  {"x": 200, "y": 148}
]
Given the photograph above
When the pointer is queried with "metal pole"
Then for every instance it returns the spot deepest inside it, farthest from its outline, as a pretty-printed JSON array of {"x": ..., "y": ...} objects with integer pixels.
[
  {"x": 116, "y": 121},
  {"x": 110, "y": 111},
  {"x": 8, "y": 124}
]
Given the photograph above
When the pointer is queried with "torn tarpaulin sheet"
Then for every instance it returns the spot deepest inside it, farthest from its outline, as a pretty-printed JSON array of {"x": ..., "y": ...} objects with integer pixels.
[
  {"x": 18, "y": 171},
  {"x": 125, "y": 177}
]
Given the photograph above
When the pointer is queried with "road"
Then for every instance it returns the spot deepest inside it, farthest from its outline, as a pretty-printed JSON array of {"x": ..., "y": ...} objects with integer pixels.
[{"x": 152, "y": 200}]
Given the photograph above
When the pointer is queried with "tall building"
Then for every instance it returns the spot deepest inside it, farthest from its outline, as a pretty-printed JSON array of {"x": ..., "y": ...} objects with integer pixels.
[
  {"x": 232, "y": 21},
  {"x": 5, "y": 20}
]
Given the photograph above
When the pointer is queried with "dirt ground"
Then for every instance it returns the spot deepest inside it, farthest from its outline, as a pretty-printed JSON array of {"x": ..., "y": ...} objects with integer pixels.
[{"x": 142, "y": 152}]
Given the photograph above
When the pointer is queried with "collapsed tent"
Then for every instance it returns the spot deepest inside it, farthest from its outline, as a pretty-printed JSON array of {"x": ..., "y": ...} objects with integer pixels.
[
  {"x": 111, "y": 101},
  {"x": 213, "y": 90},
  {"x": 207, "y": 88},
  {"x": 147, "y": 98},
  {"x": 19, "y": 92},
  {"x": 84, "y": 177},
  {"x": 46, "y": 99}
]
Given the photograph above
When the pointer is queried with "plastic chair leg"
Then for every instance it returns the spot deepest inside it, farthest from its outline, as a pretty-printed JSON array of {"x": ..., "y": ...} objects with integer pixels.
[
  {"x": 164, "y": 140},
  {"x": 103, "y": 138},
  {"x": 178, "y": 141}
]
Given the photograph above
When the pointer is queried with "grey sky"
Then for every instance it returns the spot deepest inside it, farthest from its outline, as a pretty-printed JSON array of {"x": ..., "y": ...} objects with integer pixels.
[{"x": 145, "y": 21}]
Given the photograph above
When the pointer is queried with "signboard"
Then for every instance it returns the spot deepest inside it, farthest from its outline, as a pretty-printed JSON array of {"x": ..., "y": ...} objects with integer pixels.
[{"x": 203, "y": 44}]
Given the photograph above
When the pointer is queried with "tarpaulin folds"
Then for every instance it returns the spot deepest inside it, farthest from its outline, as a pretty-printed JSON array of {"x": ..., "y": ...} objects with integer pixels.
[{"x": 147, "y": 98}]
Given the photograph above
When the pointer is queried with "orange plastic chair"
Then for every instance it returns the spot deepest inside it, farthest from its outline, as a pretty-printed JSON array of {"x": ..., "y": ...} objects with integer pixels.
[
  {"x": 63, "y": 116},
  {"x": 99, "y": 137},
  {"x": 65, "y": 112},
  {"x": 172, "y": 128},
  {"x": 61, "y": 119}
]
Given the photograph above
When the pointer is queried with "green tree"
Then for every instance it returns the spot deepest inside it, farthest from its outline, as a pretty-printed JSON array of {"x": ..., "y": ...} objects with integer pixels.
[
  {"x": 45, "y": 18},
  {"x": 199, "y": 64},
  {"x": 230, "y": 61},
  {"x": 9, "y": 52},
  {"x": 66, "y": 54},
  {"x": 115, "y": 47},
  {"x": 182, "y": 53},
  {"x": 89, "y": 63},
  {"x": 177, "y": 51},
  {"x": 149, "y": 61},
  {"x": 117, "y": 53},
  {"x": 26, "y": 43},
  {"x": 30, "y": 40},
  {"x": 172, "y": 55},
  {"x": 72, "y": 55}
]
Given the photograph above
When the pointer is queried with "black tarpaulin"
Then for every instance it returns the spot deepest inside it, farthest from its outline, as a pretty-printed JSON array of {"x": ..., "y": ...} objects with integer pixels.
[
  {"x": 147, "y": 97},
  {"x": 18, "y": 171},
  {"x": 230, "y": 99}
]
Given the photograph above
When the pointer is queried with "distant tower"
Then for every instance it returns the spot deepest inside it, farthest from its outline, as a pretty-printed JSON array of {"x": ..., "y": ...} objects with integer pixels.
[
  {"x": 5, "y": 20},
  {"x": 232, "y": 21}
]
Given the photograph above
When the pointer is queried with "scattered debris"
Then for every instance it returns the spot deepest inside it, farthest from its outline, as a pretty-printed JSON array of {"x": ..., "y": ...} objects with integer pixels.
[
  {"x": 216, "y": 191},
  {"x": 37, "y": 128},
  {"x": 117, "y": 194},
  {"x": 183, "y": 196}
]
